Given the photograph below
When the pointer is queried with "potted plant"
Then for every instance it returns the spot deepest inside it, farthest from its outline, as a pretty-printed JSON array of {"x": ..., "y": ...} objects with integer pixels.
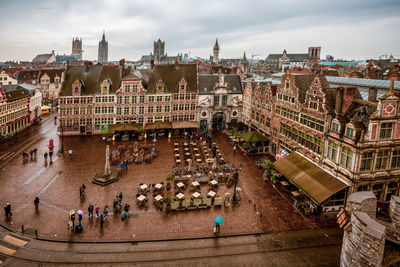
[
  {"x": 273, "y": 179},
  {"x": 140, "y": 132},
  {"x": 108, "y": 133},
  {"x": 230, "y": 181},
  {"x": 169, "y": 178},
  {"x": 167, "y": 201}
]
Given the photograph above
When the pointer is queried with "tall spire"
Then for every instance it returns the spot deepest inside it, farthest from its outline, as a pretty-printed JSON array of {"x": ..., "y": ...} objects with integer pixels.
[
  {"x": 216, "y": 43},
  {"x": 104, "y": 35}
]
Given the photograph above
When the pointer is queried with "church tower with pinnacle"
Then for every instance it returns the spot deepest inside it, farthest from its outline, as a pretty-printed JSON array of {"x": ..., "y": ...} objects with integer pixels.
[
  {"x": 103, "y": 50},
  {"x": 215, "y": 52}
]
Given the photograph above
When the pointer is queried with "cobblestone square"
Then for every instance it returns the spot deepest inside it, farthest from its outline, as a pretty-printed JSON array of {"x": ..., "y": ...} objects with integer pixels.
[{"x": 57, "y": 186}]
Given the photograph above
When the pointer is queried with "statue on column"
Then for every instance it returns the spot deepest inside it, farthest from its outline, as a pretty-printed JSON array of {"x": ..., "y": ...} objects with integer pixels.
[{"x": 107, "y": 169}]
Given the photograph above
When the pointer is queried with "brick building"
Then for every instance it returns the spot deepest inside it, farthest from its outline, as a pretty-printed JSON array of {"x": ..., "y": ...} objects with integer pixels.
[
  {"x": 96, "y": 97},
  {"x": 14, "y": 110},
  {"x": 353, "y": 141}
]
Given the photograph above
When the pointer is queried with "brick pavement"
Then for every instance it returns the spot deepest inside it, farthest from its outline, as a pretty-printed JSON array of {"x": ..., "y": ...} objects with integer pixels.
[{"x": 58, "y": 186}]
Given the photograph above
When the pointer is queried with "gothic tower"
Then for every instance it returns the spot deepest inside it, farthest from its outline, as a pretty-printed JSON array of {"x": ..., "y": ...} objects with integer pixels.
[
  {"x": 103, "y": 50},
  {"x": 215, "y": 52},
  {"x": 77, "y": 48},
  {"x": 158, "y": 49}
]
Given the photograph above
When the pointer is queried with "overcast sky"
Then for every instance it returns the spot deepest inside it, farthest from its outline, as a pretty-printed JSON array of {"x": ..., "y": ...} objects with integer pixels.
[{"x": 348, "y": 29}]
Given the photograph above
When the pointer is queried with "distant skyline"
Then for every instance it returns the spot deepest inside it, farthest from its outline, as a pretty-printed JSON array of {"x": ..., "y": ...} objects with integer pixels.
[{"x": 356, "y": 29}]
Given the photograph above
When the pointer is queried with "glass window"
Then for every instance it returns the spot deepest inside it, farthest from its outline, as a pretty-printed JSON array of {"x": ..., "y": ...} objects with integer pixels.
[
  {"x": 346, "y": 157},
  {"x": 142, "y": 98},
  {"x": 332, "y": 150},
  {"x": 216, "y": 100},
  {"x": 151, "y": 98},
  {"x": 349, "y": 131},
  {"x": 224, "y": 100},
  {"x": 167, "y": 98},
  {"x": 366, "y": 161},
  {"x": 335, "y": 127},
  {"x": 386, "y": 131},
  {"x": 167, "y": 109},
  {"x": 381, "y": 160},
  {"x": 150, "y": 109},
  {"x": 159, "y": 98},
  {"x": 126, "y": 99},
  {"x": 396, "y": 158},
  {"x": 159, "y": 109}
]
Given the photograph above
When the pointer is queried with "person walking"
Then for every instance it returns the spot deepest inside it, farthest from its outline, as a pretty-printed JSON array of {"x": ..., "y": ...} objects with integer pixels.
[
  {"x": 35, "y": 152},
  {"x": 217, "y": 228},
  {"x": 105, "y": 211},
  {"x": 120, "y": 197},
  {"x": 121, "y": 166},
  {"x": 126, "y": 164},
  {"x": 7, "y": 210},
  {"x": 36, "y": 201},
  {"x": 101, "y": 220},
  {"x": 45, "y": 156},
  {"x": 90, "y": 210},
  {"x": 73, "y": 219},
  {"x": 115, "y": 205},
  {"x": 51, "y": 155},
  {"x": 126, "y": 209},
  {"x": 79, "y": 218},
  {"x": 70, "y": 153},
  {"x": 234, "y": 148},
  {"x": 97, "y": 208}
]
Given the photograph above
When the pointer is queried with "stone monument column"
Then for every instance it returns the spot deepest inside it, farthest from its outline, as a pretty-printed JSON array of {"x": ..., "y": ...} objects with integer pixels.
[{"x": 107, "y": 169}]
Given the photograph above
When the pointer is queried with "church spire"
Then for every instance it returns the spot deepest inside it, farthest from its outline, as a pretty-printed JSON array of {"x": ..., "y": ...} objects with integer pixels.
[
  {"x": 216, "y": 43},
  {"x": 104, "y": 35}
]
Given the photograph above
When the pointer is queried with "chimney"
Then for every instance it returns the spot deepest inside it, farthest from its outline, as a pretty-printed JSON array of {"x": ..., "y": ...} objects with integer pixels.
[
  {"x": 348, "y": 97},
  {"x": 372, "y": 95},
  {"x": 151, "y": 64},
  {"x": 122, "y": 63},
  {"x": 87, "y": 64},
  {"x": 339, "y": 99},
  {"x": 67, "y": 63}
]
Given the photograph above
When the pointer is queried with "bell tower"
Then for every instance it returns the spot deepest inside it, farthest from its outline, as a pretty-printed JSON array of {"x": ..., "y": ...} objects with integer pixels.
[
  {"x": 215, "y": 52},
  {"x": 77, "y": 48}
]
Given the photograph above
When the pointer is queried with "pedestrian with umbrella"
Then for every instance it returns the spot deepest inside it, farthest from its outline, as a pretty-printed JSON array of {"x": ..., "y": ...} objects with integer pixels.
[
  {"x": 80, "y": 214},
  {"x": 36, "y": 201},
  {"x": 218, "y": 220}
]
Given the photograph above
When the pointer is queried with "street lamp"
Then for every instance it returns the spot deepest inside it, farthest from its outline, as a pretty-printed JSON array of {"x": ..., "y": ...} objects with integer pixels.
[
  {"x": 62, "y": 136},
  {"x": 236, "y": 178}
]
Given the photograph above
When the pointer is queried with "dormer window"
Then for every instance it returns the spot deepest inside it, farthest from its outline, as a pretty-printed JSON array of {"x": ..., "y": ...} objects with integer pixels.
[
  {"x": 160, "y": 86},
  {"x": 76, "y": 88},
  {"x": 182, "y": 85},
  {"x": 105, "y": 87},
  {"x": 349, "y": 132},
  {"x": 335, "y": 127},
  {"x": 287, "y": 85}
]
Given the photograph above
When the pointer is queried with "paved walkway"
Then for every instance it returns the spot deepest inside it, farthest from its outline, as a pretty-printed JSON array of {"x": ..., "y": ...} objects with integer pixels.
[
  {"x": 57, "y": 185},
  {"x": 293, "y": 248}
]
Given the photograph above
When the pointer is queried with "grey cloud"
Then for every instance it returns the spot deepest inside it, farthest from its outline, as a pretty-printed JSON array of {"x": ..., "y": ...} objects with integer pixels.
[{"x": 260, "y": 26}]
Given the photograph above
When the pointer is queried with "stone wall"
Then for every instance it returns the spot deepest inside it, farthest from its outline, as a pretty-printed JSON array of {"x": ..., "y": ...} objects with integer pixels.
[{"x": 364, "y": 201}]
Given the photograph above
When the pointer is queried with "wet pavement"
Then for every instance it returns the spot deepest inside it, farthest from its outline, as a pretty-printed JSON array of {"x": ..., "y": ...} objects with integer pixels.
[{"x": 57, "y": 186}]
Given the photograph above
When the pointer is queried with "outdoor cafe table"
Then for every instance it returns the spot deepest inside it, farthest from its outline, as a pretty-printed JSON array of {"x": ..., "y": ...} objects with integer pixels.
[
  {"x": 158, "y": 186},
  {"x": 196, "y": 195},
  {"x": 176, "y": 149},
  {"x": 213, "y": 182},
  {"x": 176, "y": 154},
  {"x": 209, "y": 160},
  {"x": 158, "y": 197},
  {"x": 198, "y": 160},
  {"x": 186, "y": 149},
  {"x": 195, "y": 184},
  {"x": 187, "y": 154},
  {"x": 185, "y": 144},
  {"x": 141, "y": 198},
  {"x": 197, "y": 155},
  {"x": 178, "y": 161},
  {"x": 284, "y": 183},
  {"x": 295, "y": 193},
  {"x": 143, "y": 186},
  {"x": 180, "y": 184},
  {"x": 180, "y": 196},
  {"x": 211, "y": 193},
  {"x": 176, "y": 144}
]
